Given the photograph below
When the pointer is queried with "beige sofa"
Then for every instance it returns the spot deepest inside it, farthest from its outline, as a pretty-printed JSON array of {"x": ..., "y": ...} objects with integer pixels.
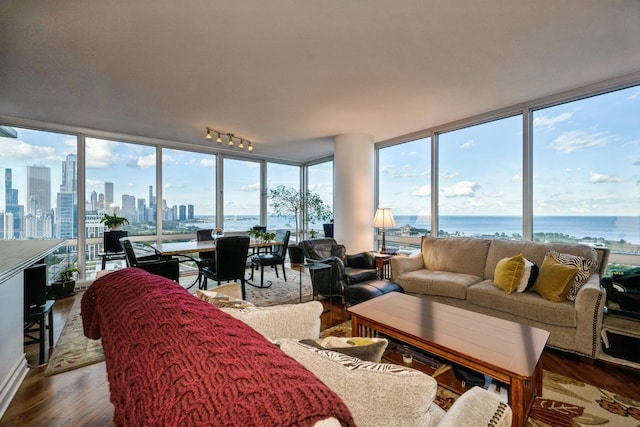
[{"x": 460, "y": 272}]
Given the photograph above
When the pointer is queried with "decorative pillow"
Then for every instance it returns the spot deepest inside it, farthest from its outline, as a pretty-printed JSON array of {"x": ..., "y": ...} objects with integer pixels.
[
  {"x": 554, "y": 279},
  {"x": 221, "y": 300},
  {"x": 529, "y": 277},
  {"x": 508, "y": 273},
  {"x": 584, "y": 267},
  {"x": 369, "y": 349},
  {"x": 296, "y": 321},
  {"x": 375, "y": 393}
]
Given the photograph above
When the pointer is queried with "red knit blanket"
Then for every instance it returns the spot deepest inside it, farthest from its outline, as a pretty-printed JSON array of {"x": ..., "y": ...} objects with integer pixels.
[{"x": 175, "y": 360}]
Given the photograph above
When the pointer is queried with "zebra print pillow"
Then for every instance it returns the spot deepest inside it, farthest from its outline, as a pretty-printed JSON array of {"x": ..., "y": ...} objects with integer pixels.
[{"x": 583, "y": 265}]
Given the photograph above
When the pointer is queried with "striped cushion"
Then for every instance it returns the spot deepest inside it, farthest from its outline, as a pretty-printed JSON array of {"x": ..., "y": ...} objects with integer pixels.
[{"x": 583, "y": 265}]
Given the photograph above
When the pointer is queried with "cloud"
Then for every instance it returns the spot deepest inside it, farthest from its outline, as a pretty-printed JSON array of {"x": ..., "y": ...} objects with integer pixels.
[
  {"x": 251, "y": 187},
  {"x": 474, "y": 202},
  {"x": 424, "y": 191},
  {"x": 467, "y": 144},
  {"x": 147, "y": 162},
  {"x": 578, "y": 140},
  {"x": 598, "y": 178},
  {"x": 460, "y": 189},
  {"x": 208, "y": 162},
  {"x": 551, "y": 122},
  {"x": 101, "y": 154},
  {"x": 450, "y": 174},
  {"x": 634, "y": 96},
  {"x": 20, "y": 150},
  {"x": 498, "y": 194}
]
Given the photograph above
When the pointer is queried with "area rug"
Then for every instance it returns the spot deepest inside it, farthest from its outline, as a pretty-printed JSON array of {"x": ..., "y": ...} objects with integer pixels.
[
  {"x": 73, "y": 350},
  {"x": 565, "y": 402}
]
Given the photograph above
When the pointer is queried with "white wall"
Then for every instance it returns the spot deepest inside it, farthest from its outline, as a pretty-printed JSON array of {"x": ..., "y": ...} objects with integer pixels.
[
  {"x": 13, "y": 365},
  {"x": 353, "y": 191}
]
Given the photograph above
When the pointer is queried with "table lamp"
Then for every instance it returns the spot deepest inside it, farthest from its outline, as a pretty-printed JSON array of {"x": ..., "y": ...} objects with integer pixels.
[{"x": 383, "y": 219}]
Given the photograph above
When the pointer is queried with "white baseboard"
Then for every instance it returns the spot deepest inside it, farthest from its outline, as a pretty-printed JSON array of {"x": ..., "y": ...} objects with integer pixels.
[{"x": 11, "y": 384}]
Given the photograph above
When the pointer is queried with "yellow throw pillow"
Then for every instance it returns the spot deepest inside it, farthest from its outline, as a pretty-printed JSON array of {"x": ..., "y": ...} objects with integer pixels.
[
  {"x": 508, "y": 273},
  {"x": 554, "y": 280}
]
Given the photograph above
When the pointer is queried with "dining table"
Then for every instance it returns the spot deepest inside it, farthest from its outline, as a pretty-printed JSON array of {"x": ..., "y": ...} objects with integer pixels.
[{"x": 193, "y": 246}]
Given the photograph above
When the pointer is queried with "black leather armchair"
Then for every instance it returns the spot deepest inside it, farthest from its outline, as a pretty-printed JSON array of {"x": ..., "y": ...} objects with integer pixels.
[{"x": 346, "y": 269}]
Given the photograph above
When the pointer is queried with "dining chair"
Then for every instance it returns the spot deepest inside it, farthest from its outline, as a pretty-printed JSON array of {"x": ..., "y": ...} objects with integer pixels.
[
  {"x": 230, "y": 261},
  {"x": 272, "y": 259},
  {"x": 168, "y": 267},
  {"x": 205, "y": 259}
]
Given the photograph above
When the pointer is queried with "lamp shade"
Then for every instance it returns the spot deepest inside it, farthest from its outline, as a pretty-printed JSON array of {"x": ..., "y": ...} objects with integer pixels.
[{"x": 384, "y": 218}]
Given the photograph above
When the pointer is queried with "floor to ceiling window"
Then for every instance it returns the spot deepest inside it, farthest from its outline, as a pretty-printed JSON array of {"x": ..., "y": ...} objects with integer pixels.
[
  {"x": 320, "y": 181},
  {"x": 480, "y": 180},
  {"x": 289, "y": 177},
  {"x": 241, "y": 194},
  {"x": 189, "y": 189},
  {"x": 404, "y": 185},
  {"x": 39, "y": 198},
  {"x": 586, "y": 171}
]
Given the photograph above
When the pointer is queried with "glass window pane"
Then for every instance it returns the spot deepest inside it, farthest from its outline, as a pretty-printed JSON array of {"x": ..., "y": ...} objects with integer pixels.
[
  {"x": 39, "y": 198},
  {"x": 189, "y": 189},
  {"x": 586, "y": 159},
  {"x": 120, "y": 179},
  {"x": 288, "y": 176},
  {"x": 480, "y": 180},
  {"x": 241, "y": 194},
  {"x": 320, "y": 181},
  {"x": 404, "y": 185}
]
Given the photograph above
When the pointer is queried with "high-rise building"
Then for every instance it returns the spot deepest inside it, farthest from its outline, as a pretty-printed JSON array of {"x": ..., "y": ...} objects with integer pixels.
[
  {"x": 128, "y": 206},
  {"x": 67, "y": 203},
  {"x": 12, "y": 207},
  {"x": 190, "y": 212},
  {"x": 182, "y": 212},
  {"x": 38, "y": 189},
  {"x": 142, "y": 211},
  {"x": 108, "y": 195}
]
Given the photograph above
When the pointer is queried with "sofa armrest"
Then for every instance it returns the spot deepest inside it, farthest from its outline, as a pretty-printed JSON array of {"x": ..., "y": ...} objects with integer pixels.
[
  {"x": 403, "y": 264},
  {"x": 478, "y": 407},
  {"x": 589, "y": 305}
]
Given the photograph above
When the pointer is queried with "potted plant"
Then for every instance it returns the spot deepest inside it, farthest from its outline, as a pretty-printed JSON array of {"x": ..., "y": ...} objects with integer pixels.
[
  {"x": 65, "y": 284},
  {"x": 287, "y": 201},
  {"x": 113, "y": 222}
]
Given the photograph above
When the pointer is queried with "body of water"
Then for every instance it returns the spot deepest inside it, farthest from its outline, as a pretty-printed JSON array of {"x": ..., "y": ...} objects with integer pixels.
[{"x": 612, "y": 228}]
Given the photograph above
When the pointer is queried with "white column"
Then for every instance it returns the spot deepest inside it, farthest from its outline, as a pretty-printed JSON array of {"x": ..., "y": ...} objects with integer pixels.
[{"x": 353, "y": 191}]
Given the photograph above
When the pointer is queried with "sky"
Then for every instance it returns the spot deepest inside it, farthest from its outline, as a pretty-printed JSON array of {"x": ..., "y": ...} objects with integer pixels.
[{"x": 586, "y": 161}]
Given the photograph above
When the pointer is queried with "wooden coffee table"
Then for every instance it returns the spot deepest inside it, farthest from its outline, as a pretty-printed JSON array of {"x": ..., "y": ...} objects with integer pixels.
[{"x": 506, "y": 351}]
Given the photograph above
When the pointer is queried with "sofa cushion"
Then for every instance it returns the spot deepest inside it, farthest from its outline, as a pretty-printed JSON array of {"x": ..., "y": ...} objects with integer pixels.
[
  {"x": 367, "y": 349},
  {"x": 509, "y": 272},
  {"x": 529, "y": 277},
  {"x": 297, "y": 321},
  {"x": 584, "y": 266},
  {"x": 555, "y": 279},
  {"x": 458, "y": 255},
  {"x": 527, "y": 305},
  {"x": 377, "y": 394},
  {"x": 442, "y": 283}
]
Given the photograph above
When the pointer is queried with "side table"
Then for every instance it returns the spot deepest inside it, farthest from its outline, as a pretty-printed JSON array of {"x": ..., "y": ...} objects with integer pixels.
[{"x": 383, "y": 265}]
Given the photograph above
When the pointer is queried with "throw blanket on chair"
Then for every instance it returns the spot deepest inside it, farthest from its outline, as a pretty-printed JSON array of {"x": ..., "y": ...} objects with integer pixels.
[{"x": 173, "y": 359}]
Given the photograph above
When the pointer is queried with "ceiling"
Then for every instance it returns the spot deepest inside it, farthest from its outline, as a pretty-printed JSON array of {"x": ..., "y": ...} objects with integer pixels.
[{"x": 290, "y": 75}]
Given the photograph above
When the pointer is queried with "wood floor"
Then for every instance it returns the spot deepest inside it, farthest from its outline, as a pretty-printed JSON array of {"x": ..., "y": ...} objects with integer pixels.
[{"x": 81, "y": 397}]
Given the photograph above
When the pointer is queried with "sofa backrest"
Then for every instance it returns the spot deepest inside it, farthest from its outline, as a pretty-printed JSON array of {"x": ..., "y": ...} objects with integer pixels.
[
  {"x": 534, "y": 252},
  {"x": 457, "y": 254}
]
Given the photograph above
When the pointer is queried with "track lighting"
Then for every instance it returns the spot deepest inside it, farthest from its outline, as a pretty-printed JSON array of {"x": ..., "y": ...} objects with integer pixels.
[{"x": 230, "y": 144}]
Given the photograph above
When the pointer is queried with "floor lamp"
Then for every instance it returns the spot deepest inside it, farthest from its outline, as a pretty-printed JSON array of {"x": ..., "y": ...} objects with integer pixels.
[{"x": 382, "y": 219}]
